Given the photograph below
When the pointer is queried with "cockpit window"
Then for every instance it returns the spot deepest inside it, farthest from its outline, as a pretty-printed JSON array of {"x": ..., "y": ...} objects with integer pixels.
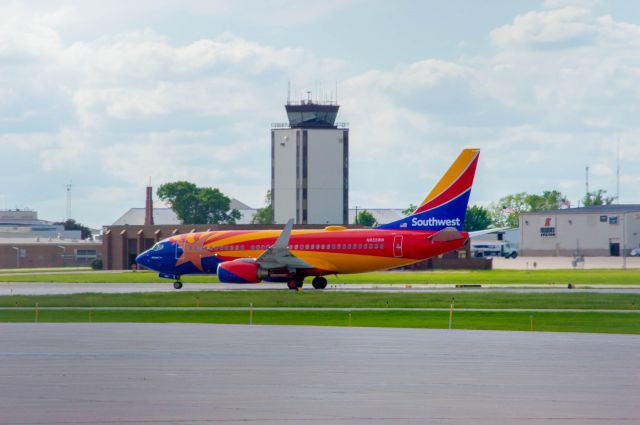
[{"x": 158, "y": 247}]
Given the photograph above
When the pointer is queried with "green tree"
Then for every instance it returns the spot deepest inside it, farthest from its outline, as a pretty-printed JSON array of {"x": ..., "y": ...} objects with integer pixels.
[
  {"x": 597, "y": 197},
  {"x": 506, "y": 212},
  {"x": 365, "y": 218},
  {"x": 411, "y": 208},
  {"x": 476, "y": 218},
  {"x": 549, "y": 200},
  {"x": 264, "y": 215},
  {"x": 71, "y": 224},
  {"x": 198, "y": 205}
]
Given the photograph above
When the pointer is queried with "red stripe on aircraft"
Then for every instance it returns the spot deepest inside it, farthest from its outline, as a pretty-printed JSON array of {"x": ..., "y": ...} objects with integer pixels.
[{"x": 462, "y": 184}]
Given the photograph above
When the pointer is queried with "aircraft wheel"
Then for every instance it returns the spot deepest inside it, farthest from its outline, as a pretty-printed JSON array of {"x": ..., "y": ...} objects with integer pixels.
[
  {"x": 292, "y": 284},
  {"x": 177, "y": 285},
  {"x": 319, "y": 282}
]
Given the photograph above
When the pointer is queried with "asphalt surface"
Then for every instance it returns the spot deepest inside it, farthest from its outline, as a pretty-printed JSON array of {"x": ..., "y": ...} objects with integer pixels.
[
  {"x": 205, "y": 374},
  {"x": 33, "y": 288}
]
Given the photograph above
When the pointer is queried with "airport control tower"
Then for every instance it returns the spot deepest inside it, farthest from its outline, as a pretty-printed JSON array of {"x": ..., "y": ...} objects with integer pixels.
[{"x": 310, "y": 164}]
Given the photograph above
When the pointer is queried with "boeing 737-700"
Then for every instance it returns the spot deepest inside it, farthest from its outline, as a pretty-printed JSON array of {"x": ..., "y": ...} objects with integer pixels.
[{"x": 250, "y": 256}]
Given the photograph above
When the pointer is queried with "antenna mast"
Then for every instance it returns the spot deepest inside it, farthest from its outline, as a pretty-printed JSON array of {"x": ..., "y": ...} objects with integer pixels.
[
  {"x": 68, "y": 186},
  {"x": 618, "y": 174},
  {"x": 586, "y": 180}
]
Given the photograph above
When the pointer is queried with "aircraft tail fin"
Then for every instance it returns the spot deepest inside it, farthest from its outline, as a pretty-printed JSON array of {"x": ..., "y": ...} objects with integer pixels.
[{"x": 446, "y": 204}]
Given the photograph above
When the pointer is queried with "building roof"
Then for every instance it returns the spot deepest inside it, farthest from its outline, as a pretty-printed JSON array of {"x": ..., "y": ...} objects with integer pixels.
[
  {"x": 48, "y": 241},
  {"x": 135, "y": 216},
  {"x": 235, "y": 204},
  {"x": 595, "y": 209}
]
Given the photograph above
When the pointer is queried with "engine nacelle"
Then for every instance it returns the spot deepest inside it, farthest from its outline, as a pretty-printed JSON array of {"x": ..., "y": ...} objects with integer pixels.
[{"x": 239, "y": 271}]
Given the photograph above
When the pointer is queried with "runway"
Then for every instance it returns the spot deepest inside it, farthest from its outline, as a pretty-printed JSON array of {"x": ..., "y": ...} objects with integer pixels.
[
  {"x": 32, "y": 288},
  {"x": 203, "y": 374}
]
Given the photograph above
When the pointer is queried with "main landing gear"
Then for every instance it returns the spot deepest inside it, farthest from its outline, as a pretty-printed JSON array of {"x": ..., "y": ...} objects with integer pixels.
[
  {"x": 319, "y": 282},
  {"x": 177, "y": 285},
  {"x": 295, "y": 283}
]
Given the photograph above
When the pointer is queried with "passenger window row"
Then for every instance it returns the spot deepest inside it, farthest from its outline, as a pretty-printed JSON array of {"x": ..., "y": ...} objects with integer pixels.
[{"x": 296, "y": 247}]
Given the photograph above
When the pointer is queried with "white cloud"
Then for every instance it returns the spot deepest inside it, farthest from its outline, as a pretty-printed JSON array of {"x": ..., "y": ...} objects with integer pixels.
[
  {"x": 557, "y": 91},
  {"x": 71, "y": 145},
  {"x": 568, "y": 26}
]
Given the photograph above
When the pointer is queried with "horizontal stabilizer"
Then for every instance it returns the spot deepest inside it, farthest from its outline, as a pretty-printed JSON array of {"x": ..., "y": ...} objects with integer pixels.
[
  {"x": 487, "y": 231},
  {"x": 446, "y": 235}
]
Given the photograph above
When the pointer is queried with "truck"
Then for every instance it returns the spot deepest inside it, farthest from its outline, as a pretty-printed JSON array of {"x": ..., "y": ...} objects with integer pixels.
[{"x": 493, "y": 249}]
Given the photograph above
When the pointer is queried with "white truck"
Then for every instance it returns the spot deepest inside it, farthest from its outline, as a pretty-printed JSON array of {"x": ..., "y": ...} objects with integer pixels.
[{"x": 493, "y": 249}]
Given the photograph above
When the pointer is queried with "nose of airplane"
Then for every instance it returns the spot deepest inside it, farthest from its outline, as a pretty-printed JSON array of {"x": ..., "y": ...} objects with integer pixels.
[{"x": 143, "y": 259}]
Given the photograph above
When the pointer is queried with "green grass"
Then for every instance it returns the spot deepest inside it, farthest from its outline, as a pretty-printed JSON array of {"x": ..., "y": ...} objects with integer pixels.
[
  {"x": 497, "y": 320},
  {"x": 515, "y": 277},
  {"x": 558, "y": 277},
  {"x": 284, "y": 298},
  {"x": 542, "y": 321},
  {"x": 45, "y": 270}
]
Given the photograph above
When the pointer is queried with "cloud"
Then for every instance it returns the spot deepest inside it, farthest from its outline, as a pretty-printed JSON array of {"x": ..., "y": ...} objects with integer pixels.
[
  {"x": 565, "y": 27},
  {"x": 556, "y": 88}
]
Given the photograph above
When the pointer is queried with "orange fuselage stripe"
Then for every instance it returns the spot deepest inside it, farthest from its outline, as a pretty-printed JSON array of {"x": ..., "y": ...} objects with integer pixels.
[{"x": 339, "y": 252}]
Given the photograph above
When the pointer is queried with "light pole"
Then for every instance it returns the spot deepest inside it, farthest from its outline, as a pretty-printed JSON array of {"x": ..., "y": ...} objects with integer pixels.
[
  {"x": 624, "y": 241},
  {"x": 17, "y": 256},
  {"x": 64, "y": 252}
]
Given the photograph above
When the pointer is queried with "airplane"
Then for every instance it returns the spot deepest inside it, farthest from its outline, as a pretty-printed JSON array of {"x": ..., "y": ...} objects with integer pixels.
[{"x": 252, "y": 256}]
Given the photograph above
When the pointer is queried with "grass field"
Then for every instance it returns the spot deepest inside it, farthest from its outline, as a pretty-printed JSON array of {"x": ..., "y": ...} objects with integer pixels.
[
  {"x": 499, "y": 320},
  {"x": 285, "y": 298},
  {"x": 516, "y": 277},
  {"x": 516, "y": 321},
  {"x": 541, "y": 320},
  {"x": 45, "y": 270}
]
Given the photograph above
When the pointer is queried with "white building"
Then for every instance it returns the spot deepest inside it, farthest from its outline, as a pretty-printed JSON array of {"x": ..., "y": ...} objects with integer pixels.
[
  {"x": 605, "y": 230},
  {"x": 310, "y": 165},
  {"x": 25, "y": 224}
]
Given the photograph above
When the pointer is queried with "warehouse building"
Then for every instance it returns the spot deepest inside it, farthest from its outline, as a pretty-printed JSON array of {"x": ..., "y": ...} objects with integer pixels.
[{"x": 604, "y": 230}]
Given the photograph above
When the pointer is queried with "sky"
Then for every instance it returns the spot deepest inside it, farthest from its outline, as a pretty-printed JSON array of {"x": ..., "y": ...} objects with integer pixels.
[{"x": 107, "y": 95}]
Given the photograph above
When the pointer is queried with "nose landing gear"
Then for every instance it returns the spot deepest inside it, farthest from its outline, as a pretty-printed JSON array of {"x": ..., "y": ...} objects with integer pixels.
[{"x": 177, "y": 284}]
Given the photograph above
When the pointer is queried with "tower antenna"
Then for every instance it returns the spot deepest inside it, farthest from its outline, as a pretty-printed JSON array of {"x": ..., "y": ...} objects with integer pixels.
[
  {"x": 68, "y": 186},
  {"x": 586, "y": 179},
  {"x": 618, "y": 173}
]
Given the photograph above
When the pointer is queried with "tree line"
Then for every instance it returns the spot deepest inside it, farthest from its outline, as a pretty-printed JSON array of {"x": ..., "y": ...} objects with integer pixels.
[{"x": 205, "y": 205}]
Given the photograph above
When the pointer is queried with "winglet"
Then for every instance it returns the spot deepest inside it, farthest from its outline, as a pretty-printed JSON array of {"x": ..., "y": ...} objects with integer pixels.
[
  {"x": 278, "y": 255},
  {"x": 283, "y": 239}
]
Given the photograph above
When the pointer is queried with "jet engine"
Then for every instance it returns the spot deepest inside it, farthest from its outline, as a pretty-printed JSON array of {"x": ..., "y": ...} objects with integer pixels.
[{"x": 242, "y": 270}]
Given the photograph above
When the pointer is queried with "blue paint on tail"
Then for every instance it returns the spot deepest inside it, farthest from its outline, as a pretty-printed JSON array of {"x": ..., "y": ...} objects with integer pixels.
[{"x": 450, "y": 214}]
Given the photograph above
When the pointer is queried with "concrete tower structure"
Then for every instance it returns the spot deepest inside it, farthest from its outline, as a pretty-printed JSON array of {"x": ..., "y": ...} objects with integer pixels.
[{"x": 310, "y": 165}]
